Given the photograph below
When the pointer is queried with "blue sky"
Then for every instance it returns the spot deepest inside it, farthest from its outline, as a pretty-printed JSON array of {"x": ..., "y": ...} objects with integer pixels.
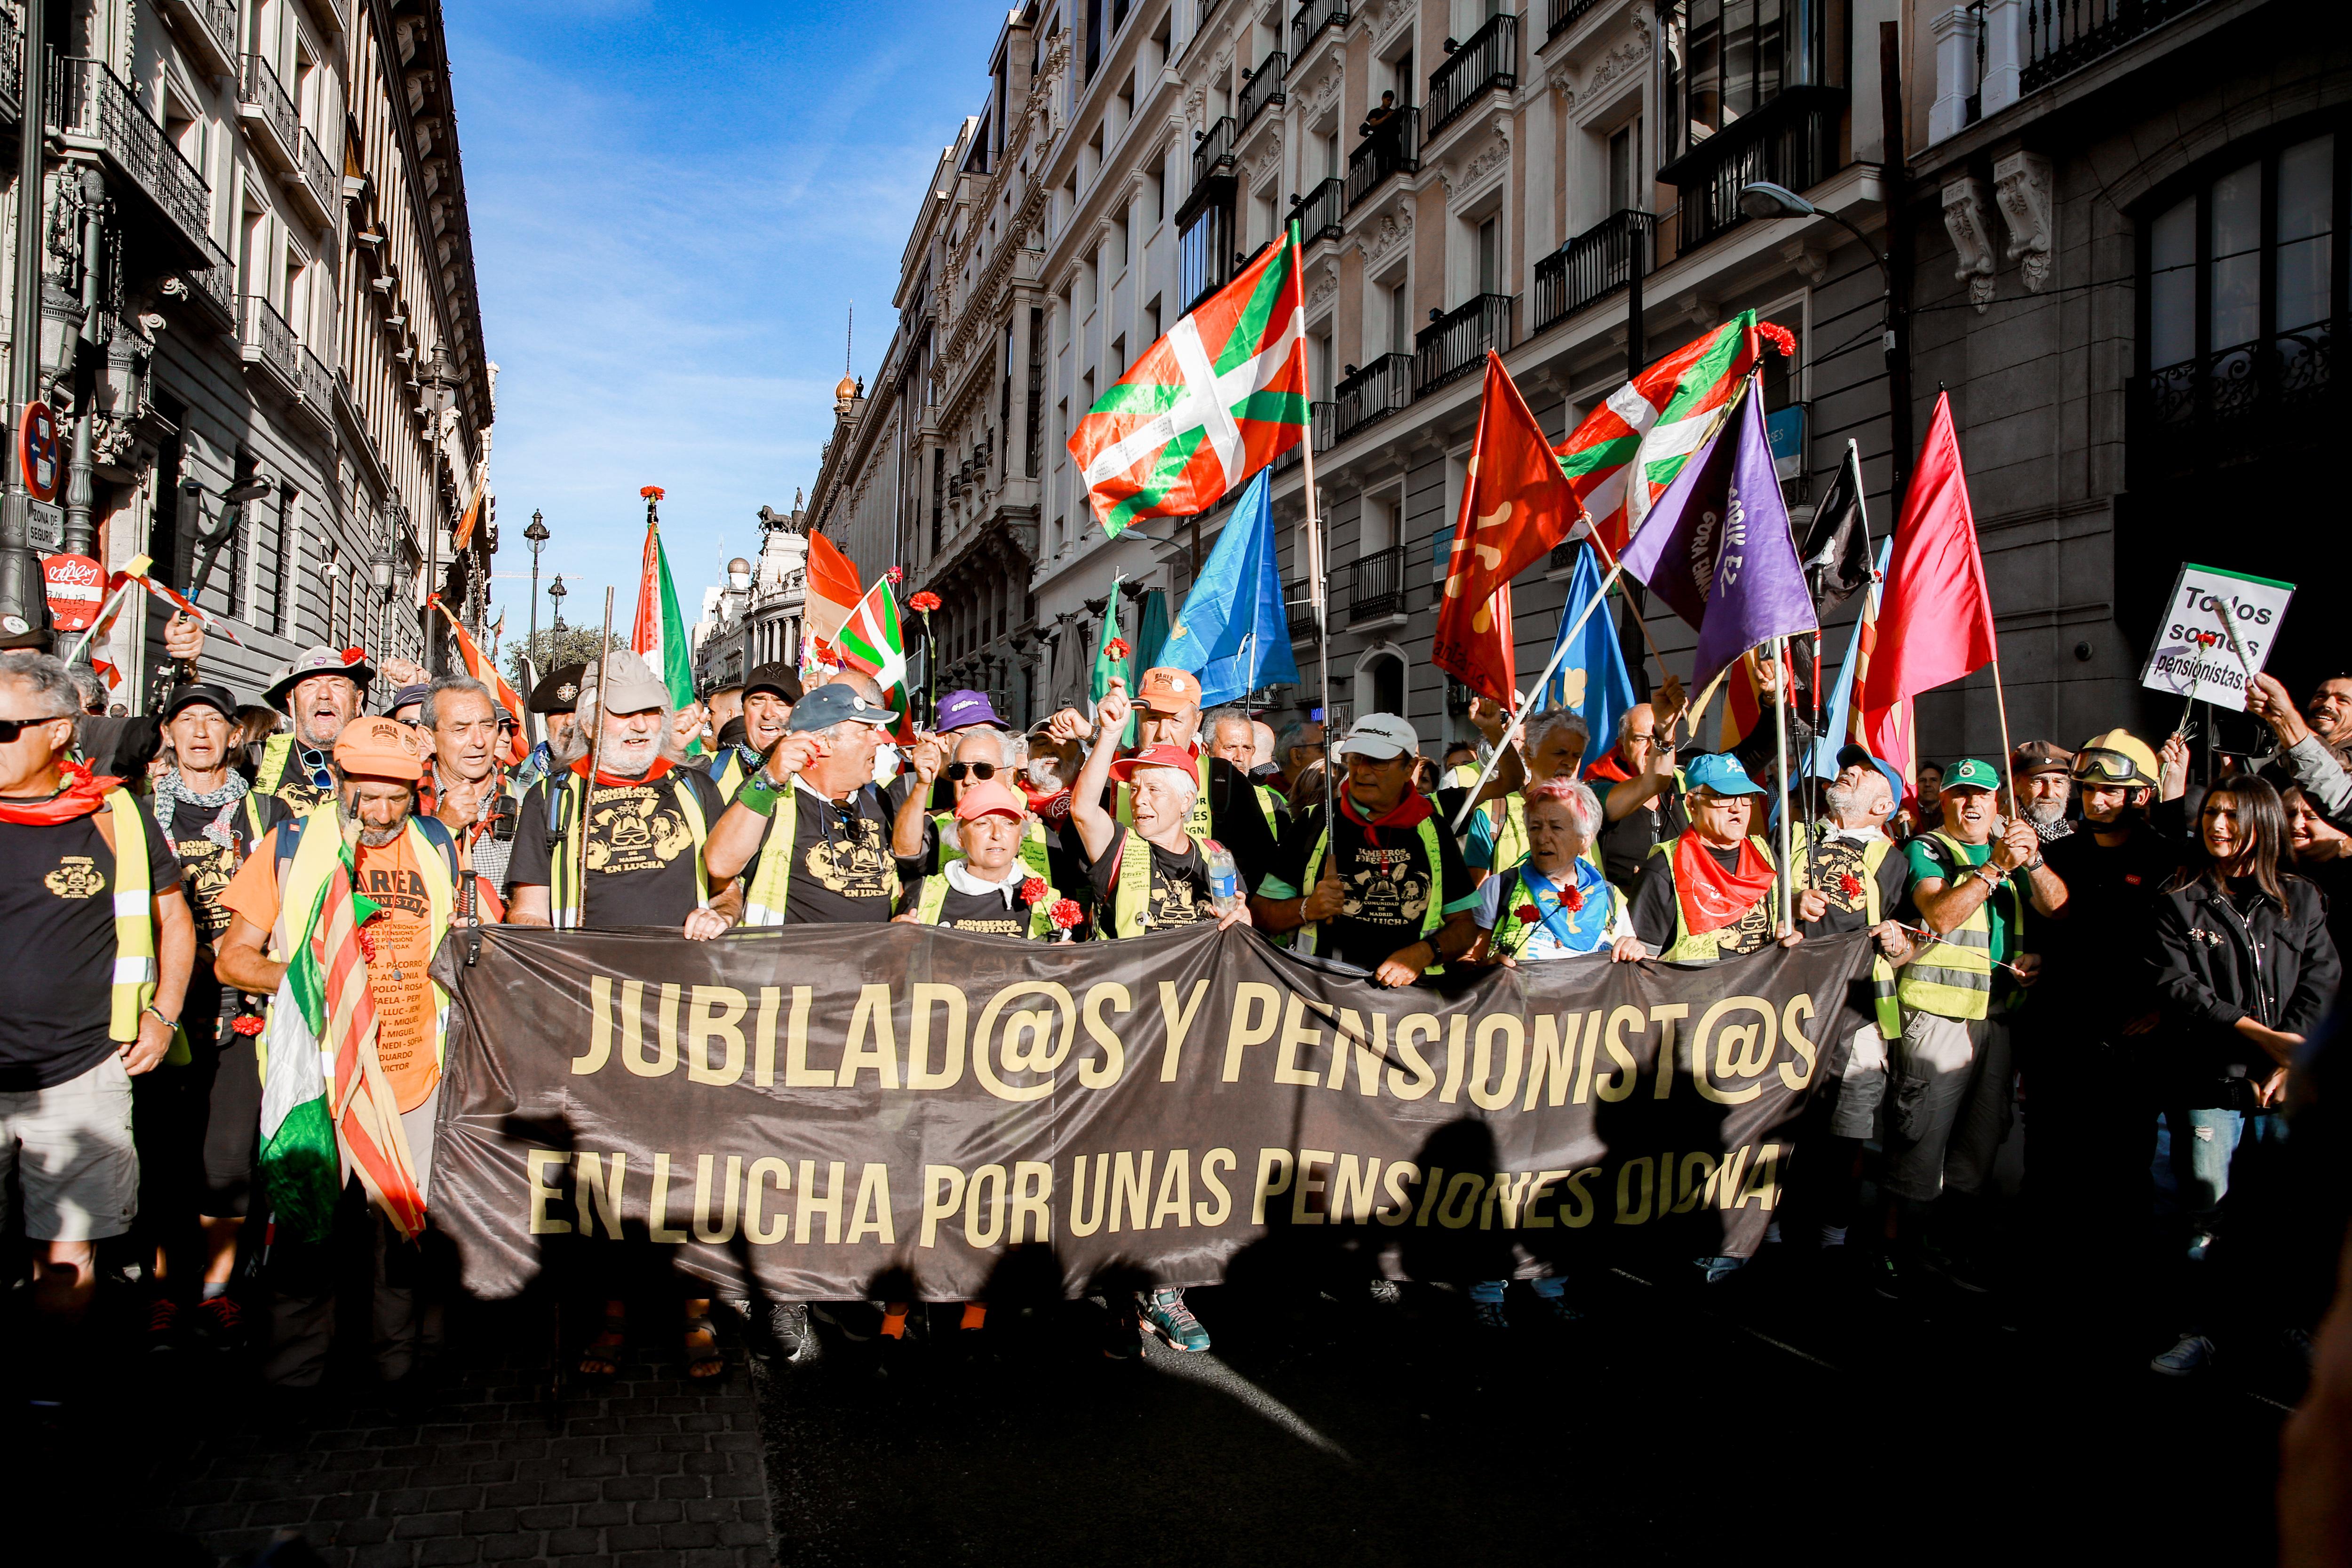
[{"x": 673, "y": 206}]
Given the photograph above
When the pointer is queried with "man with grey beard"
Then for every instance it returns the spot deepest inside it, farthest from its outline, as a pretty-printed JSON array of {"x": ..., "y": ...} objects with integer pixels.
[{"x": 2043, "y": 774}]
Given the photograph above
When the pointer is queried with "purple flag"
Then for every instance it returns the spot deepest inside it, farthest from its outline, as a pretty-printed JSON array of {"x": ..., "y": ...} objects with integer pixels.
[{"x": 1717, "y": 548}]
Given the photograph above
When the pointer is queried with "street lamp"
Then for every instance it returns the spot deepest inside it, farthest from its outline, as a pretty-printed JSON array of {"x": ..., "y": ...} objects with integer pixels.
[
  {"x": 537, "y": 534},
  {"x": 440, "y": 397},
  {"x": 1763, "y": 200},
  {"x": 556, "y": 591}
]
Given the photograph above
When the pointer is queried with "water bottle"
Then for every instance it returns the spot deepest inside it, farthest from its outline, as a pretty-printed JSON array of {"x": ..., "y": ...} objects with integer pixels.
[{"x": 1224, "y": 880}]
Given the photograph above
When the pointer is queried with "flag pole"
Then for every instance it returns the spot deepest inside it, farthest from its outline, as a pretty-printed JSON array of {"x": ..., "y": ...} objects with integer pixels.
[
  {"x": 1781, "y": 723},
  {"x": 595, "y": 748},
  {"x": 1519, "y": 709},
  {"x": 106, "y": 613},
  {"x": 1322, "y": 599}
]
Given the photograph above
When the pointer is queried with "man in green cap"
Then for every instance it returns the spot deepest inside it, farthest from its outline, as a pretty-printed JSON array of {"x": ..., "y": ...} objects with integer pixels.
[{"x": 1950, "y": 1109}]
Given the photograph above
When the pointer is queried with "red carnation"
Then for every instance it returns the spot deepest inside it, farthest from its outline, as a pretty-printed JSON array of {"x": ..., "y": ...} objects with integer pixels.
[
  {"x": 1119, "y": 650},
  {"x": 1032, "y": 889},
  {"x": 924, "y": 602},
  {"x": 247, "y": 1023},
  {"x": 367, "y": 943},
  {"x": 895, "y": 574},
  {"x": 1065, "y": 913},
  {"x": 1779, "y": 337},
  {"x": 1528, "y": 914},
  {"x": 1850, "y": 885},
  {"x": 1571, "y": 899}
]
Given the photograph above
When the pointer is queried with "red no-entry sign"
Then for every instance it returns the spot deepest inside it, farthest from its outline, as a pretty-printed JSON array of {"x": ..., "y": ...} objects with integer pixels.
[{"x": 36, "y": 450}]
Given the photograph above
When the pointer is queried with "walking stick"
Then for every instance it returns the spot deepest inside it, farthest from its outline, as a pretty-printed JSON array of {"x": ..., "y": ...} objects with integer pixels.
[{"x": 595, "y": 753}]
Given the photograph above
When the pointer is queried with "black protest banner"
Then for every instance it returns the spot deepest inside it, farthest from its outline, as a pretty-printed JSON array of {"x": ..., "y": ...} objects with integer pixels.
[{"x": 812, "y": 1112}]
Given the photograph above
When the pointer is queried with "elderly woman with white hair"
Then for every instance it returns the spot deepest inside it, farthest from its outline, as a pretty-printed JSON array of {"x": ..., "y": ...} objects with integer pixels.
[{"x": 1555, "y": 902}]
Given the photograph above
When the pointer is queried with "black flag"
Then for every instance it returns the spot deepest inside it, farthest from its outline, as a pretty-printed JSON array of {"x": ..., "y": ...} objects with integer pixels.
[{"x": 1836, "y": 551}]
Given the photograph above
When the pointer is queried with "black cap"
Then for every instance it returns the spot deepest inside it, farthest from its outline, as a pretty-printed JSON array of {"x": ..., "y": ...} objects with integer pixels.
[
  {"x": 203, "y": 693},
  {"x": 558, "y": 691},
  {"x": 778, "y": 677},
  {"x": 829, "y": 705},
  {"x": 732, "y": 734}
]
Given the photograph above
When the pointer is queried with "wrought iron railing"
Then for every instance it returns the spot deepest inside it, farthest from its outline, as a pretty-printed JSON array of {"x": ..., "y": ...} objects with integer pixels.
[
  {"x": 1489, "y": 58},
  {"x": 1566, "y": 13},
  {"x": 317, "y": 387},
  {"x": 2064, "y": 35},
  {"x": 1791, "y": 141},
  {"x": 1595, "y": 264},
  {"x": 1312, "y": 18},
  {"x": 269, "y": 341},
  {"x": 1375, "y": 584},
  {"x": 1263, "y": 87},
  {"x": 1372, "y": 395},
  {"x": 1298, "y": 597},
  {"x": 1214, "y": 150},
  {"x": 259, "y": 88},
  {"x": 1319, "y": 212},
  {"x": 216, "y": 282},
  {"x": 1392, "y": 148},
  {"x": 218, "y": 20},
  {"x": 2247, "y": 381},
  {"x": 317, "y": 172},
  {"x": 12, "y": 68},
  {"x": 87, "y": 100},
  {"x": 1457, "y": 343}
]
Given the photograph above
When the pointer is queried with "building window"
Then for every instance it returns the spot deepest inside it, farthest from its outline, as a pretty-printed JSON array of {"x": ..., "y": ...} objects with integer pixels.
[
  {"x": 1725, "y": 59},
  {"x": 2241, "y": 282},
  {"x": 1490, "y": 256}
]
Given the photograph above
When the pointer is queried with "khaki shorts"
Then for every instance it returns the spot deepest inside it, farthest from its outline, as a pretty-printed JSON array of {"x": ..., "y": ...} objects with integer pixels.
[{"x": 69, "y": 1150}]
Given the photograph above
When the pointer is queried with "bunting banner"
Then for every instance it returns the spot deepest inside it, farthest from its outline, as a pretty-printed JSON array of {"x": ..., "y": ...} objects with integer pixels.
[{"x": 840, "y": 1113}]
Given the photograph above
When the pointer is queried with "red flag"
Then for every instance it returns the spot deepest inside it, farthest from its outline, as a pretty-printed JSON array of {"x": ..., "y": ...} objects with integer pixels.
[
  {"x": 1516, "y": 506},
  {"x": 834, "y": 589},
  {"x": 479, "y": 666},
  {"x": 1935, "y": 621}
]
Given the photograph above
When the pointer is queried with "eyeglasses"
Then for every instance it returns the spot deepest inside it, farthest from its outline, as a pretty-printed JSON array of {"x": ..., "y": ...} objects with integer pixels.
[
  {"x": 12, "y": 728},
  {"x": 981, "y": 771}
]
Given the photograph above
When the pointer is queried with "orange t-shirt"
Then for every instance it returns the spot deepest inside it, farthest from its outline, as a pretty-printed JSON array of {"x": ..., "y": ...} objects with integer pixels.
[{"x": 403, "y": 935}]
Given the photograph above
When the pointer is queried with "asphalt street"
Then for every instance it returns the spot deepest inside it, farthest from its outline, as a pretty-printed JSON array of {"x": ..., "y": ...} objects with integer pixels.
[{"x": 1788, "y": 1413}]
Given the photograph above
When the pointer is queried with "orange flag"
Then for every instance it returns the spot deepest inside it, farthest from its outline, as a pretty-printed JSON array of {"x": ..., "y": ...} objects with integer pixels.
[
  {"x": 1516, "y": 506},
  {"x": 479, "y": 666},
  {"x": 833, "y": 589}
]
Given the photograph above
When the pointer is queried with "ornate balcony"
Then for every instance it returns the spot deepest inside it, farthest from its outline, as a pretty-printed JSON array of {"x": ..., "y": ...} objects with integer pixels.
[
  {"x": 2064, "y": 35},
  {"x": 1488, "y": 58},
  {"x": 1373, "y": 587},
  {"x": 1319, "y": 212},
  {"x": 270, "y": 122},
  {"x": 1393, "y": 148},
  {"x": 267, "y": 342},
  {"x": 12, "y": 76},
  {"x": 2235, "y": 404},
  {"x": 1791, "y": 141},
  {"x": 1566, "y": 13},
  {"x": 316, "y": 187},
  {"x": 88, "y": 103},
  {"x": 1214, "y": 152},
  {"x": 1263, "y": 87},
  {"x": 210, "y": 28},
  {"x": 318, "y": 389},
  {"x": 1312, "y": 18},
  {"x": 1593, "y": 265},
  {"x": 1457, "y": 343},
  {"x": 214, "y": 285},
  {"x": 1370, "y": 395}
]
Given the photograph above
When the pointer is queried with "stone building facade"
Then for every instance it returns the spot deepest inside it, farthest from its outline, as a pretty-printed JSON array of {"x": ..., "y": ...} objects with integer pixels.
[
  {"x": 2130, "y": 226},
  {"x": 1130, "y": 158},
  {"x": 255, "y": 226}
]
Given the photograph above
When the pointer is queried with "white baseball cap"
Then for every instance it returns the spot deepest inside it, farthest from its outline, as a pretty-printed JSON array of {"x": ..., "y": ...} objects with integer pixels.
[{"x": 1380, "y": 736}]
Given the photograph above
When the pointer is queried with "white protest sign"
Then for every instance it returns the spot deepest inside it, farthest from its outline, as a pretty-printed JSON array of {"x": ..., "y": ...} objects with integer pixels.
[{"x": 2215, "y": 635}]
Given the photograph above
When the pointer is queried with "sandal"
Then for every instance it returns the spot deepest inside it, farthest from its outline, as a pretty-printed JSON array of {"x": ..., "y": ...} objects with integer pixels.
[
  {"x": 703, "y": 1357},
  {"x": 601, "y": 1357}
]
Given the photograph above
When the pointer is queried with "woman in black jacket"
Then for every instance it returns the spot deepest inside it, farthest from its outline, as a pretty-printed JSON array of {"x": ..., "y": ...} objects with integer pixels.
[{"x": 2246, "y": 969}]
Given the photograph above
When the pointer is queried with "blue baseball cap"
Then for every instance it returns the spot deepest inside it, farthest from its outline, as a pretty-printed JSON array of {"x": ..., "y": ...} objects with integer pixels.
[
  {"x": 962, "y": 710},
  {"x": 1719, "y": 773},
  {"x": 1858, "y": 756}
]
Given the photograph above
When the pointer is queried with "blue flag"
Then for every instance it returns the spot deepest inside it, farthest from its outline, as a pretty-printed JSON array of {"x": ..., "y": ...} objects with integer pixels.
[
  {"x": 1591, "y": 678},
  {"x": 1233, "y": 632},
  {"x": 1832, "y": 739}
]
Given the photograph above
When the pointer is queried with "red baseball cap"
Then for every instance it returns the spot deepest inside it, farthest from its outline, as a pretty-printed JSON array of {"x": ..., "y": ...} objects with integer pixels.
[
  {"x": 988, "y": 796},
  {"x": 1159, "y": 754}
]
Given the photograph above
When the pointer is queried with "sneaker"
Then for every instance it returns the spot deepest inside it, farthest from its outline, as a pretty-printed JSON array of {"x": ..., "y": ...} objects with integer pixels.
[
  {"x": 221, "y": 1321},
  {"x": 163, "y": 1324},
  {"x": 1164, "y": 1311},
  {"x": 857, "y": 1322},
  {"x": 1489, "y": 1317},
  {"x": 1890, "y": 1278},
  {"x": 1385, "y": 1292},
  {"x": 789, "y": 1334},
  {"x": 2192, "y": 1355},
  {"x": 1716, "y": 1270}
]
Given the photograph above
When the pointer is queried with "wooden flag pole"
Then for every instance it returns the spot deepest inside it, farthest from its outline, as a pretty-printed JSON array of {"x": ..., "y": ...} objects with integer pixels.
[
  {"x": 1519, "y": 709},
  {"x": 1780, "y": 723},
  {"x": 595, "y": 749}
]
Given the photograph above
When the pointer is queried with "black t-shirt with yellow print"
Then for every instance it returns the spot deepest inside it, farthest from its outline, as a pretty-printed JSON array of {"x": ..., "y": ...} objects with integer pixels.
[
  {"x": 641, "y": 849},
  {"x": 842, "y": 871}
]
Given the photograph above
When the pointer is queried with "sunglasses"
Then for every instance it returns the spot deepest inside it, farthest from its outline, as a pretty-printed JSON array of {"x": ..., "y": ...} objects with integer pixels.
[
  {"x": 12, "y": 728},
  {"x": 957, "y": 771}
]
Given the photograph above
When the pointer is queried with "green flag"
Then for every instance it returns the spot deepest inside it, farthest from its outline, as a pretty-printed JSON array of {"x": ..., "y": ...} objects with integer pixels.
[{"x": 1114, "y": 661}]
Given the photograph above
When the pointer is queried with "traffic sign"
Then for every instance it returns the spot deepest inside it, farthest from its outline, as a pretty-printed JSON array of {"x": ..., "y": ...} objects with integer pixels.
[
  {"x": 76, "y": 587},
  {"x": 38, "y": 454}
]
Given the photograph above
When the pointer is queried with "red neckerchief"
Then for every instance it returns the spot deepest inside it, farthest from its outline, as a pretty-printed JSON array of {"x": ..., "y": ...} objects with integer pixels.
[
  {"x": 614, "y": 781},
  {"x": 1053, "y": 807},
  {"x": 83, "y": 793},
  {"x": 1410, "y": 812},
  {"x": 1711, "y": 896},
  {"x": 1610, "y": 767}
]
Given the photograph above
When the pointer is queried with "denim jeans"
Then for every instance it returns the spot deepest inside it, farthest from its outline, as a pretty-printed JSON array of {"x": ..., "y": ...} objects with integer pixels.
[
  {"x": 1547, "y": 1287},
  {"x": 2219, "y": 1171},
  {"x": 2196, "y": 1150}
]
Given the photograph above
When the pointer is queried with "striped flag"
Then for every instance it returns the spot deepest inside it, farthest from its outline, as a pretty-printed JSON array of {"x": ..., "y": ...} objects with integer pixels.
[
  {"x": 871, "y": 644},
  {"x": 832, "y": 595},
  {"x": 1652, "y": 426},
  {"x": 326, "y": 1012},
  {"x": 1217, "y": 399},
  {"x": 485, "y": 669},
  {"x": 658, "y": 635}
]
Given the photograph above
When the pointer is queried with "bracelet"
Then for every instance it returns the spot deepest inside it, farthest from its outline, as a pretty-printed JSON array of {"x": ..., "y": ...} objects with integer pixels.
[
  {"x": 757, "y": 795},
  {"x": 158, "y": 1012}
]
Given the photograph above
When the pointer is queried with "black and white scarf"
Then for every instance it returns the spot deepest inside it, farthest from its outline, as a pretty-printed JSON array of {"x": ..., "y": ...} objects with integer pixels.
[{"x": 172, "y": 793}]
